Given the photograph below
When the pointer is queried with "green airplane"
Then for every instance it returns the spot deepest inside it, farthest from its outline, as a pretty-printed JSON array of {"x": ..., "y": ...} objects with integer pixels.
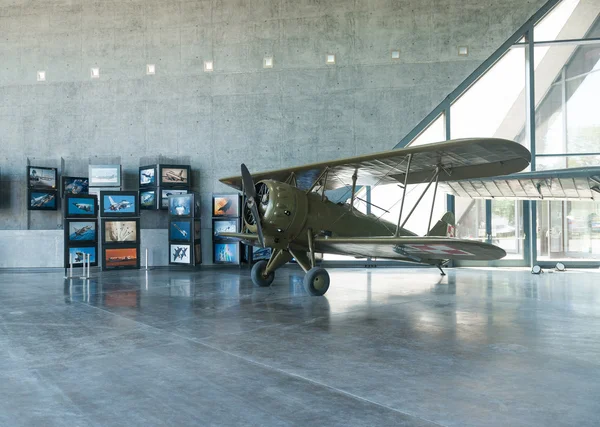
[{"x": 287, "y": 209}]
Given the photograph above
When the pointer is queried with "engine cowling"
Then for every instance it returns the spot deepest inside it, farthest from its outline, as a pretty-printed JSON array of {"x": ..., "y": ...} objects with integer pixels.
[{"x": 282, "y": 208}]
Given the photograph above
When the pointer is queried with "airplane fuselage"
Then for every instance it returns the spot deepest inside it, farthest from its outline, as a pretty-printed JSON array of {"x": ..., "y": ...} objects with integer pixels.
[{"x": 289, "y": 214}]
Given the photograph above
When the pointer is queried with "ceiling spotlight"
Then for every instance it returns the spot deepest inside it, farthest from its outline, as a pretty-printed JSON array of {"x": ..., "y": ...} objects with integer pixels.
[
  {"x": 330, "y": 59},
  {"x": 536, "y": 269},
  {"x": 95, "y": 73},
  {"x": 150, "y": 69},
  {"x": 560, "y": 266},
  {"x": 463, "y": 50},
  {"x": 41, "y": 76},
  {"x": 395, "y": 54},
  {"x": 268, "y": 62},
  {"x": 209, "y": 66}
]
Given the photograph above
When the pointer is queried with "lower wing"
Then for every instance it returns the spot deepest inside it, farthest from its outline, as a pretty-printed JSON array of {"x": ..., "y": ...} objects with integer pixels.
[{"x": 418, "y": 249}]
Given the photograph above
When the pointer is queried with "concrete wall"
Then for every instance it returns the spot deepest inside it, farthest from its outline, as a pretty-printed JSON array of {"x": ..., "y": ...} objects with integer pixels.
[{"x": 302, "y": 110}]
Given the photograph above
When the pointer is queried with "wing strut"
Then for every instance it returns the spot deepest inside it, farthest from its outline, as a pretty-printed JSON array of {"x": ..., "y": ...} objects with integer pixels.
[
  {"x": 354, "y": 178},
  {"x": 403, "y": 195},
  {"x": 435, "y": 177}
]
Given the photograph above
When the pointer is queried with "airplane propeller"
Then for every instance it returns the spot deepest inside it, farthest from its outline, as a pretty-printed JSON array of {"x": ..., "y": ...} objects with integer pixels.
[{"x": 250, "y": 193}]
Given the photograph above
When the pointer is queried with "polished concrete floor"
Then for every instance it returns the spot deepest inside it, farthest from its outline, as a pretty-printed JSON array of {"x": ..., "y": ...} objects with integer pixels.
[{"x": 384, "y": 347}]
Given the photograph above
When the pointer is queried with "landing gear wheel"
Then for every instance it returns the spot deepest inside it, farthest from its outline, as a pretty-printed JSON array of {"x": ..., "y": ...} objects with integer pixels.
[
  {"x": 257, "y": 275},
  {"x": 316, "y": 281}
]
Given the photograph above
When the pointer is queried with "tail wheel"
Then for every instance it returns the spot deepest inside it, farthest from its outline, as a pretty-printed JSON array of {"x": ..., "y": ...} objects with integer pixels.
[
  {"x": 258, "y": 277},
  {"x": 316, "y": 281}
]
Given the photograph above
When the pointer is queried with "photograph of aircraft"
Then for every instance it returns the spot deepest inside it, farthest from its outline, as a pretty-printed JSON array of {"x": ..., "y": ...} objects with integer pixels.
[
  {"x": 224, "y": 226},
  {"x": 226, "y": 253},
  {"x": 72, "y": 185},
  {"x": 42, "y": 177},
  {"x": 165, "y": 193},
  {"x": 287, "y": 209},
  {"x": 121, "y": 257},
  {"x": 120, "y": 231},
  {"x": 104, "y": 175},
  {"x": 77, "y": 254},
  {"x": 180, "y": 230},
  {"x": 148, "y": 199},
  {"x": 180, "y": 254},
  {"x": 226, "y": 205},
  {"x": 40, "y": 200},
  {"x": 123, "y": 204},
  {"x": 181, "y": 206},
  {"x": 174, "y": 175},
  {"x": 82, "y": 231},
  {"x": 147, "y": 177}
]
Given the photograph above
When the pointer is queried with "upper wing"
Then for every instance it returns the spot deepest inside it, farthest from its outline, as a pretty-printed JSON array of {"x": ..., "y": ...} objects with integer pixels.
[
  {"x": 110, "y": 199},
  {"x": 420, "y": 249},
  {"x": 460, "y": 159},
  {"x": 565, "y": 184}
]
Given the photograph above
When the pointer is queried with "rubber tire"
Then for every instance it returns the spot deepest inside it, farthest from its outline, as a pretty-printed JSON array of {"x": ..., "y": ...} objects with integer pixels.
[
  {"x": 257, "y": 275},
  {"x": 316, "y": 281}
]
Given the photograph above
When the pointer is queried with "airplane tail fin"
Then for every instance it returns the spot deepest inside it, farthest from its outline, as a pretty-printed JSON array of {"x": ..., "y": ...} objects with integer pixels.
[{"x": 444, "y": 227}]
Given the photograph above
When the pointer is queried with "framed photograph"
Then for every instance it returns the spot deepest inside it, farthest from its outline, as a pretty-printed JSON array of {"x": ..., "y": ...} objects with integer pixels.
[
  {"x": 80, "y": 206},
  {"x": 166, "y": 192},
  {"x": 120, "y": 258},
  {"x": 104, "y": 175},
  {"x": 147, "y": 176},
  {"x": 183, "y": 205},
  {"x": 224, "y": 226},
  {"x": 75, "y": 185},
  {"x": 81, "y": 230},
  {"x": 197, "y": 254},
  {"x": 180, "y": 254},
  {"x": 76, "y": 255},
  {"x": 226, "y": 205},
  {"x": 226, "y": 252},
  {"x": 175, "y": 175},
  {"x": 117, "y": 231},
  {"x": 180, "y": 230},
  {"x": 41, "y": 177},
  {"x": 119, "y": 203},
  {"x": 259, "y": 253},
  {"x": 147, "y": 199},
  {"x": 41, "y": 200}
]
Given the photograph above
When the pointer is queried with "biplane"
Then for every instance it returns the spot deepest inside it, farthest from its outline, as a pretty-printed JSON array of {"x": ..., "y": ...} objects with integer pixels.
[{"x": 288, "y": 210}]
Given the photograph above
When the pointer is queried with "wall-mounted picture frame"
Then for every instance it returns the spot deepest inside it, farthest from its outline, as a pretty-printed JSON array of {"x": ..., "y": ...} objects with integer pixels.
[
  {"x": 104, "y": 175},
  {"x": 180, "y": 230},
  {"x": 120, "y": 257},
  {"x": 180, "y": 253},
  {"x": 120, "y": 231},
  {"x": 183, "y": 205},
  {"x": 119, "y": 204},
  {"x": 148, "y": 176},
  {"x": 77, "y": 254},
  {"x": 81, "y": 231},
  {"x": 74, "y": 185},
  {"x": 226, "y": 205},
  {"x": 166, "y": 192},
  {"x": 42, "y": 200},
  {"x": 259, "y": 253},
  {"x": 148, "y": 199},
  {"x": 39, "y": 177},
  {"x": 80, "y": 206},
  {"x": 226, "y": 252},
  {"x": 175, "y": 175},
  {"x": 225, "y": 225}
]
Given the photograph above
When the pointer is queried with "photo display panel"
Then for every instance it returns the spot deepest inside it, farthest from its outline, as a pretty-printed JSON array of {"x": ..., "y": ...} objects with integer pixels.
[
  {"x": 147, "y": 176},
  {"x": 180, "y": 253},
  {"x": 226, "y": 205},
  {"x": 174, "y": 175},
  {"x": 226, "y": 252},
  {"x": 77, "y": 253},
  {"x": 42, "y": 200},
  {"x": 122, "y": 257},
  {"x": 39, "y": 177},
  {"x": 181, "y": 230},
  {"x": 80, "y": 206},
  {"x": 75, "y": 185},
  {"x": 119, "y": 204},
  {"x": 166, "y": 192},
  {"x": 104, "y": 175},
  {"x": 120, "y": 231},
  {"x": 79, "y": 230}
]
